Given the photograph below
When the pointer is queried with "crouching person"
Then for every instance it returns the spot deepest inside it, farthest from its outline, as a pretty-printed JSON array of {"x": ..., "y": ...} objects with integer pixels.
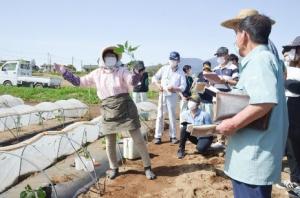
[
  {"x": 196, "y": 116},
  {"x": 119, "y": 111}
]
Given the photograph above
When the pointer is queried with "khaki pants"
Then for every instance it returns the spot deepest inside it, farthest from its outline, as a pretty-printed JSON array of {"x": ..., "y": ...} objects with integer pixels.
[{"x": 139, "y": 142}]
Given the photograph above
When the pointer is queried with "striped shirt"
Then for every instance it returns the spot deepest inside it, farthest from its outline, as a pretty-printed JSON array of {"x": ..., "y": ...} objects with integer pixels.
[{"x": 228, "y": 72}]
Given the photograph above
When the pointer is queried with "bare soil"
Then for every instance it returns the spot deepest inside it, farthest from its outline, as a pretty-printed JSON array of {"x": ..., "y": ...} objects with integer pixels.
[{"x": 193, "y": 176}]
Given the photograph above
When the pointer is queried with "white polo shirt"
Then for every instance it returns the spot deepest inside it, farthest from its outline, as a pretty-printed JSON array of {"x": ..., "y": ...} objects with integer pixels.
[{"x": 170, "y": 78}]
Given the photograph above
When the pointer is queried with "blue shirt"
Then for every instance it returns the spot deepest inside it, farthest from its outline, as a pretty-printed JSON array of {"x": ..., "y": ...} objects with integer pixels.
[
  {"x": 201, "y": 117},
  {"x": 253, "y": 156}
]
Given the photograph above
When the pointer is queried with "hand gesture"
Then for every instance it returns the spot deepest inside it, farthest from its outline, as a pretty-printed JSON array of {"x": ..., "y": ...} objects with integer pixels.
[{"x": 59, "y": 68}]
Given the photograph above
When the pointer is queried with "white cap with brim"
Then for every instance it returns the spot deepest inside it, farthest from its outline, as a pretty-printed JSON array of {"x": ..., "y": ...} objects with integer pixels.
[
  {"x": 232, "y": 23},
  {"x": 111, "y": 48}
]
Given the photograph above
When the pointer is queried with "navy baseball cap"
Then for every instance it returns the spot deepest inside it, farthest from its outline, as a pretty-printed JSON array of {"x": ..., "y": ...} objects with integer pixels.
[{"x": 174, "y": 56}]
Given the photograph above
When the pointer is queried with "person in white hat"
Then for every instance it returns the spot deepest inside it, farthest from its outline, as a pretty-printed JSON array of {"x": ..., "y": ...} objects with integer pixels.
[
  {"x": 119, "y": 112},
  {"x": 254, "y": 156}
]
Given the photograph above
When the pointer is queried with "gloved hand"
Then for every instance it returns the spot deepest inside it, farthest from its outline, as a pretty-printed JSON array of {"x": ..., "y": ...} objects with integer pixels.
[{"x": 59, "y": 68}]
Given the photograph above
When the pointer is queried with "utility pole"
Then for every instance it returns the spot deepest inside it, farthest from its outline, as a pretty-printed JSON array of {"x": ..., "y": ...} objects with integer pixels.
[
  {"x": 72, "y": 60},
  {"x": 81, "y": 64},
  {"x": 49, "y": 61}
]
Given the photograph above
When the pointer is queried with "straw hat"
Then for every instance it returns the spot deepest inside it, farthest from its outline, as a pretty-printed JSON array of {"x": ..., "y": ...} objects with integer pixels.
[
  {"x": 232, "y": 23},
  {"x": 196, "y": 98},
  {"x": 111, "y": 48}
]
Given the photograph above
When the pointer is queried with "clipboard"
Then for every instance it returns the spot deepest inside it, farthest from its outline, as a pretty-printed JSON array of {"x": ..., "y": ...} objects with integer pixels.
[
  {"x": 203, "y": 130},
  {"x": 213, "y": 78}
]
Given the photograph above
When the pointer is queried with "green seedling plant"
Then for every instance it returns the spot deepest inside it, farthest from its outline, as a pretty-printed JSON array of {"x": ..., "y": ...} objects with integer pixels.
[
  {"x": 30, "y": 193},
  {"x": 129, "y": 50}
]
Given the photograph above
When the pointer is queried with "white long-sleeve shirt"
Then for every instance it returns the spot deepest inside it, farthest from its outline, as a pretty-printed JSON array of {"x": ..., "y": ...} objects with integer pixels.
[{"x": 170, "y": 78}]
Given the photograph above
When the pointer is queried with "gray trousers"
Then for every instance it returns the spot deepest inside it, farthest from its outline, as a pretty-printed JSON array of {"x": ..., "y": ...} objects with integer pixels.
[{"x": 139, "y": 143}]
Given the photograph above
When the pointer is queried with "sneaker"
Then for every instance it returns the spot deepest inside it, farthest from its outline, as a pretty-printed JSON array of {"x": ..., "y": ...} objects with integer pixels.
[
  {"x": 112, "y": 173},
  {"x": 180, "y": 153},
  {"x": 149, "y": 173},
  {"x": 295, "y": 193},
  {"x": 288, "y": 185},
  {"x": 157, "y": 141},
  {"x": 217, "y": 145},
  {"x": 174, "y": 141}
]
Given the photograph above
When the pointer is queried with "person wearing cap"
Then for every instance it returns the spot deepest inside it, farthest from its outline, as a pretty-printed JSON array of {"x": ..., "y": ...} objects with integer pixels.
[
  {"x": 139, "y": 93},
  {"x": 186, "y": 94},
  {"x": 234, "y": 59},
  {"x": 206, "y": 97},
  {"x": 253, "y": 156},
  {"x": 170, "y": 80},
  {"x": 291, "y": 54},
  {"x": 196, "y": 116},
  {"x": 227, "y": 71},
  {"x": 119, "y": 112}
]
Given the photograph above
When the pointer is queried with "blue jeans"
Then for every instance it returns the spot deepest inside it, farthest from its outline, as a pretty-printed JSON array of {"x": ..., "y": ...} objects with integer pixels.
[
  {"x": 242, "y": 190},
  {"x": 202, "y": 143}
]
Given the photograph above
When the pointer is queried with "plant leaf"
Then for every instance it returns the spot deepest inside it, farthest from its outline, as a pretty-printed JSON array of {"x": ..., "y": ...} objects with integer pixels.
[
  {"x": 135, "y": 48},
  {"x": 23, "y": 194},
  {"x": 120, "y": 46},
  {"x": 119, "y": 50}
]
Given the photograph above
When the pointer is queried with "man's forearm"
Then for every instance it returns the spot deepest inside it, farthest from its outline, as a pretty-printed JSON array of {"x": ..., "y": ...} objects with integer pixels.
[
  {"x": 232, "y": 82},
  {"x": 250, "y": 114}
]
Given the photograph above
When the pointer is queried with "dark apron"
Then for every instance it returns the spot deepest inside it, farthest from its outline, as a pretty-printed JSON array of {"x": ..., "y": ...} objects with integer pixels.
[{"x": 119, "y": 114}]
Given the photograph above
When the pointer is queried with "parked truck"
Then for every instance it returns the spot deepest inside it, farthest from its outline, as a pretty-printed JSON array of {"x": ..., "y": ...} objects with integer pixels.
[{"x": 19, "y": 73}]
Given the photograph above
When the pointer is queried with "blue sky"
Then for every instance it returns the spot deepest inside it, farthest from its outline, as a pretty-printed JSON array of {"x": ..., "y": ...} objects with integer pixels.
[{"x": 80, "y": 29}]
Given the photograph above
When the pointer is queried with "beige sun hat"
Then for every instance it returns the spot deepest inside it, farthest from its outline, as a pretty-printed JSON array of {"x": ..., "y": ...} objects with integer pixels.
[
  {"x": 232, "y": 23},
  {"x": 111, "y": 48}
]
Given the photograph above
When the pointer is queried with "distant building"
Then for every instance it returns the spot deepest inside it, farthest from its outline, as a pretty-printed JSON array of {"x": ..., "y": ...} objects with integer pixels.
[
  {"x": 88, "y": 68},
  {"x": 46, "y": 68}
]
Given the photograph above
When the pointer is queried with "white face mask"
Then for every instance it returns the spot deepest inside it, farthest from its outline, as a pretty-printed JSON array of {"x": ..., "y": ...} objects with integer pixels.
[
  {"x": 287, "y": 63},
  {"x": 110, "y": 61},
  {"x": 192, "y": 105},
  {"x": 291, "y": 55},
  {"x": 221, "y": 60},
  {"x": 173, "y": 63}
]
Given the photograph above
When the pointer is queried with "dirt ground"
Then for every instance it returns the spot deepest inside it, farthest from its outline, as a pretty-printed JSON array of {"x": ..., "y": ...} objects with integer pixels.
[{"x": 194, "y": 176}]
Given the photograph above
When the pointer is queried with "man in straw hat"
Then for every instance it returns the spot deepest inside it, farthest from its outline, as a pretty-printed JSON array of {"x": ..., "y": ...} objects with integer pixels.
[
  {"x": 232, "y": 24},
  {"x": 253, "y": 157}
]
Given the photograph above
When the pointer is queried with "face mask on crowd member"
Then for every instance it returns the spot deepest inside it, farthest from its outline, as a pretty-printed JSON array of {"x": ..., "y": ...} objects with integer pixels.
[
  {"x": 173, "y": 63},
  {"x": 292, "y": 57},
  {"x": 192, "y": 105},
  {"x": 221, "y": 60},
  {"x": 110, "y": 60}
]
